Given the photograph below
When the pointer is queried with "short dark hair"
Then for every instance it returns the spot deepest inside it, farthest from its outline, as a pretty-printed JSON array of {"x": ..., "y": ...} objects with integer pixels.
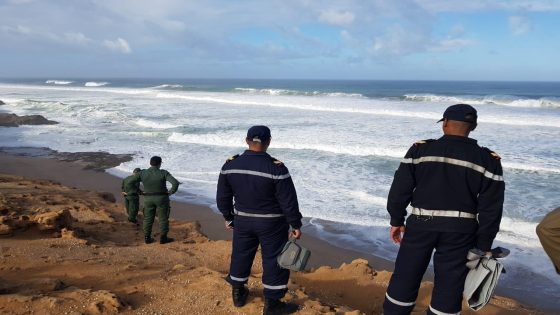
[{"x": 155, "y": 161}]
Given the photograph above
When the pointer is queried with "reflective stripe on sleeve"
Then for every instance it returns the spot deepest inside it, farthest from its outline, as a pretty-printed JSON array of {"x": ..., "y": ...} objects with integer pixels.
[
  {"x": 238, "y": 279},
  {"x": 397, "y": 302},
  {"x": 275, "y": 287},
  {"x": 255, "y": 173},
  {"x": 255, "y": 215},
  {"x": 442, "y": 313},
  {"x": 467, "y": 164}
]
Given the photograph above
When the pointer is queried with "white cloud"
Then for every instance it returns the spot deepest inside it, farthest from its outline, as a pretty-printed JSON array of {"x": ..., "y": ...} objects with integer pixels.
[
  {"x": 450, "y": 44},
  {"x": 18, "y": 30},
  {"x": 519, "y": 25},
  {"x": 76, "y": 38},
  {"x": 485, "y": 5},
  {"x": 337, "y": 18},
  {"x": 173, "y": 25},
  {"x": 20, "y": 1},
  {"x": 119, "y": 45},
  {"x": 398, "y": 41}
]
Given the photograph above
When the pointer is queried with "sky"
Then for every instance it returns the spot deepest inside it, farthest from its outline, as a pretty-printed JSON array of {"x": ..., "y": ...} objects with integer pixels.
[{"x": 291, "y": 39}]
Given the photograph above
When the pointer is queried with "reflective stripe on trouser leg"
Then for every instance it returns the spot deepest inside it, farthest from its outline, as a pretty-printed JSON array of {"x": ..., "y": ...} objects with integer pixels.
[
  {"x": 243, "y": 250},
  {"x": 436, "y": 312},
  {"x": 411, "y": 263},
  {"x": 450, "y": 272},
  {"x": 273, "y": 236}
]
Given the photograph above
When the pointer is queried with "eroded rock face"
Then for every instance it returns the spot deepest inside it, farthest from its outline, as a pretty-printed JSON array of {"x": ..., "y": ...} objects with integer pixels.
[
  {"x": 13, "y": 120},
  {"x": 2, "y": 103},
  {"x": 55, "y": 220}
]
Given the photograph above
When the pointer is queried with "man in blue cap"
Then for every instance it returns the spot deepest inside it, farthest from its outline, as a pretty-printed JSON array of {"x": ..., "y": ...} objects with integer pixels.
[
  {"x": 265, "y": 207},
  {"x": 456, "y": 192}
]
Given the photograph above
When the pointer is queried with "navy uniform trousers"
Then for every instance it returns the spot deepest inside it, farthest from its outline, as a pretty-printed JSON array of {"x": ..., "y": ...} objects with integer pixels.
[
  {"x": 414, "y": 255},
  {"x": 272, "y": 235}
]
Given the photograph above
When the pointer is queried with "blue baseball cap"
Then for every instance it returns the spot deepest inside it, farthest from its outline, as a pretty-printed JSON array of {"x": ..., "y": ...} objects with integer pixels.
[
  {"x": 259, "y": 133},
  {"x": 460, "y": 112}
]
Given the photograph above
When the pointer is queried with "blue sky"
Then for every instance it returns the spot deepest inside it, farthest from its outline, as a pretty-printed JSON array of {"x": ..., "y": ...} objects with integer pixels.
[{"x": 375, "y": 39}]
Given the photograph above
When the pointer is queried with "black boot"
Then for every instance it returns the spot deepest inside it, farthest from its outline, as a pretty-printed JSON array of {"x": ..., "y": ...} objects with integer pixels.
[
  {"x": 148, "y": 239},
  {"x": 239, "y": 295},
  {"x": 164, "y": 239},
  {"x": 277, "y": 307}
]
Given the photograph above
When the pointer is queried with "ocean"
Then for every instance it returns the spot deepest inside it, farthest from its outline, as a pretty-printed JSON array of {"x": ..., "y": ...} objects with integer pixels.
[{"x": 341, "y": 140}]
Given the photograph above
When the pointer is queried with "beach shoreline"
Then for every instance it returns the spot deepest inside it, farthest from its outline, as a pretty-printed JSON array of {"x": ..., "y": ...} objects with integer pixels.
[
  {"x": 76, "y": 174},
  {"x": 91, "y": 178}
]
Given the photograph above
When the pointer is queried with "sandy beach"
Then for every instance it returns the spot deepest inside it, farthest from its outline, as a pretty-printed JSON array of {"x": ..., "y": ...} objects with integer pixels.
[{"x": 66, "y": 248}]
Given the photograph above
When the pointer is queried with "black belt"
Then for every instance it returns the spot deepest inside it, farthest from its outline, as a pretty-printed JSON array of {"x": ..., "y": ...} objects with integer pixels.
[{"x": 156, "y": 194}]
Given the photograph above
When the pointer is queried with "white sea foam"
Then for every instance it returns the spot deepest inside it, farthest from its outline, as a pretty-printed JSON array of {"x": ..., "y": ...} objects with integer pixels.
[
  {"x": 168, "y": 86},
  {"x": 93, "y": 84},
  {"x": 368, "y": 107},
  {"x": 505, "y": 100},
  {"x": 530, "y": 167},
  {"x": 234, "y": 141},
  {"x": 153, "y": 124},
  {"x": 58, "y": 82},
  {"x": 276, "y": 92}
]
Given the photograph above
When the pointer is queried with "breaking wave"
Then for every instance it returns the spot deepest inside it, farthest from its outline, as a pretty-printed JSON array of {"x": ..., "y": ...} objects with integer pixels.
[
  {"x": 153, "y": 124},
  {"x": 276, "y": 92},
  {"x": 505, "y": 100},
  {"x": 59, "y": 82},
  {"x": 168, "y": 86},
  {"x": 96, "y": 83}
]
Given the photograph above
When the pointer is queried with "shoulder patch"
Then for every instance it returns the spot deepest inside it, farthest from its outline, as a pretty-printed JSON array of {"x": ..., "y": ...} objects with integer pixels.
[
  {"x": 231, "y": 158},
  {"x": 277, "y": 162},
  {"x": 492, "y": 153},
  {"x": 424, "y": 141}
]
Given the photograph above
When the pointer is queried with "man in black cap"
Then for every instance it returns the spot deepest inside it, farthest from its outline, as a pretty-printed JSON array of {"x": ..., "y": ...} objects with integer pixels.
[
  {"x": 130, "y": 189},
  {"x": 456, "y": 192},
  {"x": 265, "y": 207},
  {"x": 156, "y": 199}
]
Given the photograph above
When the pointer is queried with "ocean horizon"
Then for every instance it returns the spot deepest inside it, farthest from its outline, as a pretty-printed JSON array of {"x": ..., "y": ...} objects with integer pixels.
[{"x": 342, "y": 140}]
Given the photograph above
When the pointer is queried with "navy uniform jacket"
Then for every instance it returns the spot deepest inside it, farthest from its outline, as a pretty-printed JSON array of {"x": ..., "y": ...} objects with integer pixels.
[
  {"x": 260, "y": 185},
  {"x": 451, "y": 173}
]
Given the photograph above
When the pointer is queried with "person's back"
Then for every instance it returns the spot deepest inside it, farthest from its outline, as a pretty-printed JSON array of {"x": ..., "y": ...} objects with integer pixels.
[
  {"x": 265, "y": 207},
  {"x": 454, "y": 172},
  {"x": 456, "y": 192},
  {"x": 155, "y": 180},
  {"x": 257, "y": 181},
  {"x": 156, "y": 199}
]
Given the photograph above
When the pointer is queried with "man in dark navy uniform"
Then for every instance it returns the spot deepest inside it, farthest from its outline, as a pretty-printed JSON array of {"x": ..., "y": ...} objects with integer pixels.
[
  {"x": 265, "y": 207},
  {"x": 456, "y": 191}
]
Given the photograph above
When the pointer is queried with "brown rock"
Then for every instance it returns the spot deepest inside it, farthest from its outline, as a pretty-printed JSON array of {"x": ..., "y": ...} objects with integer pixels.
[
  {"x": 54, "y": 220},
  {"x": 107, "y": 303},
  {"x": 107, "y": 196},
  {"x": 48, "y": 285},
  {"x": 5, "y": 229}
]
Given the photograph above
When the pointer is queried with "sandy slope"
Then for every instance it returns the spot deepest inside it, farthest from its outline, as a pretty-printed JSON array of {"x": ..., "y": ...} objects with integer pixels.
[{"x": 69, "y": 251}]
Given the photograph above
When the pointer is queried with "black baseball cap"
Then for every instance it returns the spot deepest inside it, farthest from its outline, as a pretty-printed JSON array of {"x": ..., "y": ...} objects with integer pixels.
[
  {"x": 258, "y": 133},
  {"x": 136, "y": 170},
  {"x": 460, "y": 112}
]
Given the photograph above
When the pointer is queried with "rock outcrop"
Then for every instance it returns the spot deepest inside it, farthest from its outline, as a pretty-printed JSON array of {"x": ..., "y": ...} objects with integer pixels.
[{"x": 13, "y": 120}]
